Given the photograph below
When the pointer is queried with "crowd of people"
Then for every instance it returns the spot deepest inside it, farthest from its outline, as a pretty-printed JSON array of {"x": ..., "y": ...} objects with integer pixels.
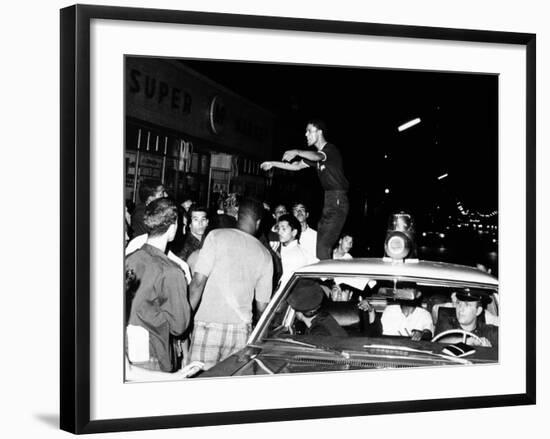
[{"x": 197, "y": 280}]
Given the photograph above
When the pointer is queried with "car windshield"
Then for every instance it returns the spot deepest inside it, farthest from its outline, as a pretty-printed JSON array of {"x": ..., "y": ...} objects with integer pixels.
[{"x": 373, "y": 307}]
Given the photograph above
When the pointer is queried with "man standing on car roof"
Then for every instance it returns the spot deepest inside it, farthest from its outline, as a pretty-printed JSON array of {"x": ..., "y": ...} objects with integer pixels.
[
  {"x": 469, "y": 311},
  {"x": 328, "y": 161}
]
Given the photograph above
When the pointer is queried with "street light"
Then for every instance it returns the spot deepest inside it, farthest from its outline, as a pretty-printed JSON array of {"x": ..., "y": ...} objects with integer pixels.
[{"x": 408, "y": 124}]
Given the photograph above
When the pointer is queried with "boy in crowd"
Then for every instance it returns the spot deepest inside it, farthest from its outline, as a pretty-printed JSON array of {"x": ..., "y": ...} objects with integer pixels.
[
  {"x": 345, "y": 244},
  {"x": 156, "y": 293},
  {"x": 293, "y": 256},
  {"x": 149, "y": 190},
  {"x": 308, "y": 236}
]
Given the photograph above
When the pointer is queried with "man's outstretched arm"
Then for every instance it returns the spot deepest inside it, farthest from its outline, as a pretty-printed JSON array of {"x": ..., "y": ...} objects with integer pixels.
[
  {"x": 313, "y": 156},
  {"x": 296, "y": 166}
]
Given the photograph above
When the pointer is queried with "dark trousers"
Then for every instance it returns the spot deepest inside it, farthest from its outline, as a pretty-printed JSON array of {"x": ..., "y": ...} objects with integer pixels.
[{"x": 333, "y": 217}]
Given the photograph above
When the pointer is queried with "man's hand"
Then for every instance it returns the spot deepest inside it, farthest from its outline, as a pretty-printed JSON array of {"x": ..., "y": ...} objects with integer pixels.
[
  {"x": 364, "y": 305},
  {"x": 289, "y": 155},
  {"x": 416, "y": 335},
  {"x": 266, "y": 166},
  {"x": 481, "y": 342}
]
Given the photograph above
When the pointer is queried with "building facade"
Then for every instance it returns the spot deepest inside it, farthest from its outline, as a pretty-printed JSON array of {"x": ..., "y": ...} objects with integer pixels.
[{"x": 196, "y": 136}]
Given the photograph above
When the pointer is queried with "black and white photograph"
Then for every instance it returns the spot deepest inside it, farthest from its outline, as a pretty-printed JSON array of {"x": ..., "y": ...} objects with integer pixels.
[
  {"x": 261, "y": 219},
  {"x": 285, "y": 218},
  {"x": 271, "y": 219}
]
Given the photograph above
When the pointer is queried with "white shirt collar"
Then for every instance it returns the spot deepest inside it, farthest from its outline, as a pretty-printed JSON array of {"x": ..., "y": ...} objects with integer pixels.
[{"x": 290, "y": 245}]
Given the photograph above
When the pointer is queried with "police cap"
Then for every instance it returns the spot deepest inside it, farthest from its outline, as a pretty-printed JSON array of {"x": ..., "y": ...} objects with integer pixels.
[
  {"x": 306, "y": 296},
  {"x": 468, "y": 295}
]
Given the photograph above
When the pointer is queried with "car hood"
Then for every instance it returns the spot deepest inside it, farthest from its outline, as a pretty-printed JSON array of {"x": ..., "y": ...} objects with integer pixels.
[{"x": 323, "y": 354}]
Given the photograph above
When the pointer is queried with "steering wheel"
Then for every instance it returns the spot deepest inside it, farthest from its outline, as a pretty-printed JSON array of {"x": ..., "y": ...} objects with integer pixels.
[{"x": 465, "y": 335}]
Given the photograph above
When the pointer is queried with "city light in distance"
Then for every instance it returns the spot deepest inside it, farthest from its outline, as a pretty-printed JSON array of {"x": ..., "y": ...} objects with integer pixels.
[
  {"x": 441, "y": 177},
  {"x": 386, "y": 191}
]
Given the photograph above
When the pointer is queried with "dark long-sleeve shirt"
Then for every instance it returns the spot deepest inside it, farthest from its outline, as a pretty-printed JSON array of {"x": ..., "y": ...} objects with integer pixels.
[
  {"x": 159, "y": 301},
  {"x": 490, "y": 332},
  {"x": 330, "y": 169},
  {"x": 325, "y": 324},
  {"x": 190, "y": 245}
]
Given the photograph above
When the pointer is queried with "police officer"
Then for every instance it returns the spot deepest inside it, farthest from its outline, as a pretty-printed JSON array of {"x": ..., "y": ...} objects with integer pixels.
[
  {"x": 306, "y": 299},
  {"x": 469, "y": 309}
]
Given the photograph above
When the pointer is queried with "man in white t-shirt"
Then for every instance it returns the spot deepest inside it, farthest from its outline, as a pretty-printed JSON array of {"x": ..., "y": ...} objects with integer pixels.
[
  {"x": 407, "y": 319},
  {"x": 232, "y": 278},
  {"x": 308, "y": 236},
  {"x": 293, "y": 255}
]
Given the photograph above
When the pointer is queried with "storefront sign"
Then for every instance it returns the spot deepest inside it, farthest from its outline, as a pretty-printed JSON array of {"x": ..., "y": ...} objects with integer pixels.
[
  {"x": 152, "y": 88},
  {"x": 168, "y": 94}
]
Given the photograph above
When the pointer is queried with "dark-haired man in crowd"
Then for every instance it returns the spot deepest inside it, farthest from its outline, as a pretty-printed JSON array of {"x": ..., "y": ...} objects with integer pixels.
[
  {"x": 233, "y": 272},
  {"x": 156, "y": 293},
  {"x": 198, "y": 222},
  {"x": 149, "y": 190},
  {"x": 328, "y": 161},
  {"x": 273, "y": 233},
  {"x": 308, "y": 236}
]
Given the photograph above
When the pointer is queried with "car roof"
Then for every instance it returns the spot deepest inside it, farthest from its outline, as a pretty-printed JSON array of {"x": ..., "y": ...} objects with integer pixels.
[{"x": 415, "y": 268}]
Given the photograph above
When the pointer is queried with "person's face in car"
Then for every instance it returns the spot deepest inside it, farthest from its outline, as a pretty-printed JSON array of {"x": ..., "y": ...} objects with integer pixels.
[{"x": 467, "y": 311}]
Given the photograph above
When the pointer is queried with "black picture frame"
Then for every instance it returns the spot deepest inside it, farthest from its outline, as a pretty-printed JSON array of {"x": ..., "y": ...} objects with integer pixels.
[{"x": 75, "y": 217}]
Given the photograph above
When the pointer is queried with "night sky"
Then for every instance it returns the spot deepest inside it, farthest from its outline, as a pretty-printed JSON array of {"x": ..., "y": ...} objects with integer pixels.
[{"x": 362, "y": 108}]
